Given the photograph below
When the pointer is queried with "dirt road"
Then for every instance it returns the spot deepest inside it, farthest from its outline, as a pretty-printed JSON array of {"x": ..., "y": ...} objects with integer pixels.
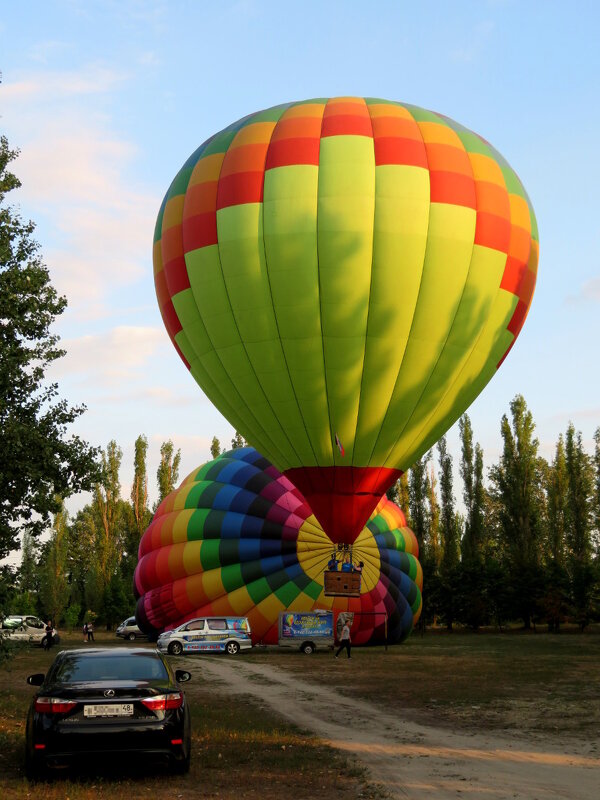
[{"x": 409, "y": 760}]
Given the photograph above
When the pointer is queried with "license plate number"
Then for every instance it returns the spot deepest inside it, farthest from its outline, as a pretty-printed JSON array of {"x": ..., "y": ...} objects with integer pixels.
[{"x": 109, "y": 710}]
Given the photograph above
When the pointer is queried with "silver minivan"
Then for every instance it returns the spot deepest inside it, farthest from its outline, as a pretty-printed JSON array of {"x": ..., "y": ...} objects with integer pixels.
[
  {"x": 23, "y": 628},
  {"x": 128, "y": 629},
  {"x": 207, "y": 635}
]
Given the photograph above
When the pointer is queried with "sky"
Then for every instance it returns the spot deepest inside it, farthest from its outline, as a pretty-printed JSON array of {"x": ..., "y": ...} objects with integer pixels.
[{"x": 106, "y": 100}]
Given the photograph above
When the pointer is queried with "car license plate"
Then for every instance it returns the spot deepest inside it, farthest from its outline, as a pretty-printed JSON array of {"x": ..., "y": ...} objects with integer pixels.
[{"x": 109, "y": 710}]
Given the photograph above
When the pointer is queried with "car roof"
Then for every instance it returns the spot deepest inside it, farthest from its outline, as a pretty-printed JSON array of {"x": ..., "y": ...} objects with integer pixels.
[{"x": 108, "y": 651}]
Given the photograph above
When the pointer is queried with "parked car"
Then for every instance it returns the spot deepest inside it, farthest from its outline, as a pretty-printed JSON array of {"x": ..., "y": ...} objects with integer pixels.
[
  {"x": 24, "y": 628},
  {"x": 129, "y": 629},
  {"x": 108, "y": 703},
  {"x": 209, "y": 634}
]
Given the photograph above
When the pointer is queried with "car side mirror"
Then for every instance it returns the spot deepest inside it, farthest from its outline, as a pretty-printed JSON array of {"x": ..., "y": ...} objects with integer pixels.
[
  {"x": 181, "y": 676},
  {"x": 36, "y": 680}
]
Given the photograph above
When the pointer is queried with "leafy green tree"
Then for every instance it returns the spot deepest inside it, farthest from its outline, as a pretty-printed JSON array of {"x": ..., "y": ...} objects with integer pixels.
[
  {"x": 54, "y": 586},
  {"x": 238, "y": 441},
  {"x": 433, "y": 518},
  {"x": 579, "y": 525},
  {"x": 39, "y": 461},
  {"x": 167, "y": 474},
  {"x": 517, "y": 487},
  {"x": 215, "y": 447},
  {"x": 139, "y": 487},
  {"x": 417, "y": 499},
  {"x": 597, "y": 480},
  {"x": 450, "y": 526},
  {"x": 28, "y": 578},
  {"x": 471, "y": 471},
  {"x": 556, "y": 592}
]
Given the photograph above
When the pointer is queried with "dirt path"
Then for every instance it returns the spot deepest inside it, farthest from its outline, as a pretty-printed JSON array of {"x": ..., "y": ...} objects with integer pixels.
[{"x": 410, "y": 760}]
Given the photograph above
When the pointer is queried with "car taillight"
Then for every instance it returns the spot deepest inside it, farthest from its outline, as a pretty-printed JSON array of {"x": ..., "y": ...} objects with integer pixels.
[
  {"x": 162, "y": 702},
  {"x": 54, "y": 705}
]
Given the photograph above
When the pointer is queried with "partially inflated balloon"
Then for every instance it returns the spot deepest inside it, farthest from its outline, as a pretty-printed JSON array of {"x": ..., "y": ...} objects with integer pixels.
[
  {"x": 237, "y": 538},
  {"x": 343, "y": 277}
]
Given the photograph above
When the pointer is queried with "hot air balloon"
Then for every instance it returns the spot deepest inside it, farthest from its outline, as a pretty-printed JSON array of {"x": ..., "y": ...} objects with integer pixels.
[
  {"x": 342, "y": 277},
  {"x": 238, "y": 539}
]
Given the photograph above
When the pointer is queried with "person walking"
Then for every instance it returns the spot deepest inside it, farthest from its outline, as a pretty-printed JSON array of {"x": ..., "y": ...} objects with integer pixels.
[
  {"x": 345, "y": 641},
  {"x": 90, "y": 632}
]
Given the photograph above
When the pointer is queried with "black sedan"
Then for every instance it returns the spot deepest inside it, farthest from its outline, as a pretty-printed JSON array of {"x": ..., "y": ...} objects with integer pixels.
[{"x": 103, "y": 703}]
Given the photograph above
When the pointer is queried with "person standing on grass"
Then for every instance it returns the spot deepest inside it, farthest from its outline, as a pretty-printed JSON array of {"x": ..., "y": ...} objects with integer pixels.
[
  {"x": 49, "y": 638},
  {"x": 345, "y": 641},
  {"x": 85, "y": 627},
  {"x": 90, "y": 632}
]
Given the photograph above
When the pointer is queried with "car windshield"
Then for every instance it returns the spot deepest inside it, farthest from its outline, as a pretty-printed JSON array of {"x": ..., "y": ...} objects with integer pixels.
[{"x": 107, "y": 667}]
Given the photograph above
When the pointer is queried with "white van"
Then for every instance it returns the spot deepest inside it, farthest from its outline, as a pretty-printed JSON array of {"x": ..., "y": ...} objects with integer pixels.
[
  {"x": 23, "y": 628},
  {"x": 207, "y": 635}
]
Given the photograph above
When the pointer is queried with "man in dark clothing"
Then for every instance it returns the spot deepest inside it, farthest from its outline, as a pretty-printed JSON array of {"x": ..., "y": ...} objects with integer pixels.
[{"x": 49, "y": 637}]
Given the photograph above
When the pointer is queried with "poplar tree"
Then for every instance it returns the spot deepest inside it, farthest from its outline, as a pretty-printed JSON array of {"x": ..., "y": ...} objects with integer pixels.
[
  {"x": 139, "y": 487},
  {"x": 54, "y": 585},
  {"x": 167, "y": 474},
  {"x": 579, "y": 524},
  {"x": 517, "y": 483},
  {"x": 417, "y": 499},
  {"x": 471, "y": 472},
  {"x": 448, "y": 519},
  {"x": 556, "y": 590},
  {"x": 237, "y": 441},
  {"x": 215, "y": 447},
  {"x": 433, "y": 518}
]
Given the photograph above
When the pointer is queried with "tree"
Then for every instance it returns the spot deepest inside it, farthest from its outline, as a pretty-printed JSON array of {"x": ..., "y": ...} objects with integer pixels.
[
  {"x": 54, "y": 587},
  {"x": 450, "y": 536},
  {"x": 517, "y": 483},
  {"x": 237, "y": 441},
  {"x": 39, "y": 462},
  {"x": 556, "y": 583},
  {"x": 597, "y": 480},
  {"x": 417, "y": 494},
  {"x": 579, "y": 524},
  {"x": 471, "y": 471},
  {"x": 215, "y": 447},
  {"x": 139, "y": 487},
  {"x": 433, "y": 519},
  {"x": 167, "y": 474}
]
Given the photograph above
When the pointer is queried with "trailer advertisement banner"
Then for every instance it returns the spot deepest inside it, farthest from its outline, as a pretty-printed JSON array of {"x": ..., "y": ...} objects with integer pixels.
[{"x": 303, "y": 625}]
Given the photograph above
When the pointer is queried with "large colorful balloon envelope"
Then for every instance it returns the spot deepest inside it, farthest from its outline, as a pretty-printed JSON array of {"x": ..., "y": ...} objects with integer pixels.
[
  {"x": 237, "y": 538},
  {"x": 343, "y": 277}
]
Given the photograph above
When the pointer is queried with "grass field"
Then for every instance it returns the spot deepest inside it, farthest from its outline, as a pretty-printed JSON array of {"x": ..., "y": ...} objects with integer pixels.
[
  {"x": 238, "y": 750},
  {"x": 523, "y": 684}
]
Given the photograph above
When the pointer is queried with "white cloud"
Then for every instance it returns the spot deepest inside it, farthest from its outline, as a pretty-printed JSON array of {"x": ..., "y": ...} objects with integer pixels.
[
  {"x": 74, "y": 169},
  {"x": 589, "y": 292},
  {"x": 110, "y": 358}
]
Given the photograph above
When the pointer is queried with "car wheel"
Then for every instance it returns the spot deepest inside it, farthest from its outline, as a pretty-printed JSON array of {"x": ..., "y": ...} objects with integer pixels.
[
  {"x": 175, "y": 648},
  {"x": 131, "y": 637},
  {"x": 308, "y": 648},
  {"x": 232, "y": 648}
]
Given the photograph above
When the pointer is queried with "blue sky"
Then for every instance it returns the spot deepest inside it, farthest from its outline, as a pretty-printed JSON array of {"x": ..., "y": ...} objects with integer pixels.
[{"x": 106, "y": 100}]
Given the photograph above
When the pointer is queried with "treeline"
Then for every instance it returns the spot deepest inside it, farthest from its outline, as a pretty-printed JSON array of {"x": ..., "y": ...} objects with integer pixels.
[
  {"x": 526, "y": 547},
  {"x": 84, "y": 571}
]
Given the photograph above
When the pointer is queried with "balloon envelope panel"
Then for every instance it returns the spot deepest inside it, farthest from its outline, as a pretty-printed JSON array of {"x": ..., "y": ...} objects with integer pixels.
[
  {"x": 237, "y": 538},
  {"x": 342, "y": 277}
]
